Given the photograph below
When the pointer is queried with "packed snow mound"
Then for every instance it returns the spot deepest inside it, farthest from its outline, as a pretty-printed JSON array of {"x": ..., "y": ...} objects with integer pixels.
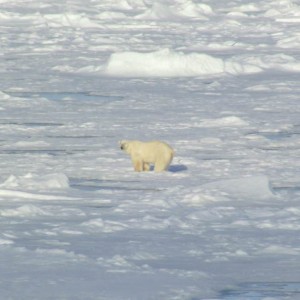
[
  {"x": 168, "y": 63},
  {"x": 285, "y": 10},
  {"x": 253, "y": 188},
  {"x": 4, "y": 96},
  {"x": 280, "y": 61},
  {"x": 122, "y": 4},
  {"x": 27, "y": 210},
  {"x": 107, "y": 15},
  {"x": 36, "y": 182},
  {"x": 170, "y": 11},
  {"x": 230, "y": 121},
  {"x": 69, "y": 20},
  {"x": 290, "y": 41}
]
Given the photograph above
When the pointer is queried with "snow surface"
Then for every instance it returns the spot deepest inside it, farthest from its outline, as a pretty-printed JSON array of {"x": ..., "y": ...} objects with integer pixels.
[{"x": 217, "y": 80}]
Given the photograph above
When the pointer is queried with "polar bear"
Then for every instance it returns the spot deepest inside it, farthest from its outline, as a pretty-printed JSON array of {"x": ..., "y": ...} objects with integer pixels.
[{"x": 145, "y": 153}]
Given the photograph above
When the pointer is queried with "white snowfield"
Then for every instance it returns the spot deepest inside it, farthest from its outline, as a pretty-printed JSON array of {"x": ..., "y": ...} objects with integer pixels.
[{"x": 217, "y": 80}]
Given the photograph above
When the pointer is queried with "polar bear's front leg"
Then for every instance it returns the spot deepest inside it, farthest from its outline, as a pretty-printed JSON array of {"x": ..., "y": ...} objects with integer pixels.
[{"x": 138, "y": 165}]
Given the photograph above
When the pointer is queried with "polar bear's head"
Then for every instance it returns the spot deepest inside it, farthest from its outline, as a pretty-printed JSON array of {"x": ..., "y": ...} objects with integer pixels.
[{"x": 125, "y": 145}]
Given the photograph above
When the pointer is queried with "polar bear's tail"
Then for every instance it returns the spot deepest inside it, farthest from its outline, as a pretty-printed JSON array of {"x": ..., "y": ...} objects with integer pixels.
[{"x": 172, "y": 155}]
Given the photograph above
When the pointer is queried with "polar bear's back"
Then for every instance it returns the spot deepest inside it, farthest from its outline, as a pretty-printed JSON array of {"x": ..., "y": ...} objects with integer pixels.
[
  {"x": 158, "y": 145},
  {"x": 157, "y": 150}
]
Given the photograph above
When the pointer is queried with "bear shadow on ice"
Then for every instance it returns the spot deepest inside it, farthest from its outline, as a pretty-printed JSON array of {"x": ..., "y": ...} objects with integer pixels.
[{"x": 177, "y": 168}]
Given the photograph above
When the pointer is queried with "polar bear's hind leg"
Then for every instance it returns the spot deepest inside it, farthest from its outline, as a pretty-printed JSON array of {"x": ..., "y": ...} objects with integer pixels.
[{"x": 163, "y": 164}]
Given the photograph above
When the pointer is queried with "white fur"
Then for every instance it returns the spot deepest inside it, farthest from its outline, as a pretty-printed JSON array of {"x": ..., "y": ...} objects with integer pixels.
[{"x": 145, "y": 153}]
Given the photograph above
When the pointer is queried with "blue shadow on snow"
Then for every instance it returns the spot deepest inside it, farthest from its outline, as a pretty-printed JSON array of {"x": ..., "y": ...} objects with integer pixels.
[
  {"x": 262, "y": 290},
  {"x": 177, "y": 168}
]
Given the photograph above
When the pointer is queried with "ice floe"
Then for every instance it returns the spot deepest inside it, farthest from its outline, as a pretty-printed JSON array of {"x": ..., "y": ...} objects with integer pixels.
[
  {"x": 168, "y": 63},
  {"x": 34, "y": 181},
  {"x": 253, "y": 188}
]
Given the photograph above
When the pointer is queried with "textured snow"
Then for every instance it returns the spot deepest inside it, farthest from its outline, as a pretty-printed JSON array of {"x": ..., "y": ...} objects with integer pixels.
[{"x": 218, "y": 81}]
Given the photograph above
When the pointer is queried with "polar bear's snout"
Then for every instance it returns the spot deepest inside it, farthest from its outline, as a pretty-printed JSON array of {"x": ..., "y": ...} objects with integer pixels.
[{"x": 121, "y": 143}]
